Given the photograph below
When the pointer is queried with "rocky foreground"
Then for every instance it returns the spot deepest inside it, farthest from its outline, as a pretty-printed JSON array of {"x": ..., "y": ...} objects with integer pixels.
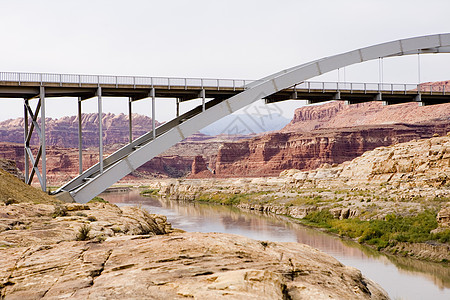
[{"x": 55, "y": 250}]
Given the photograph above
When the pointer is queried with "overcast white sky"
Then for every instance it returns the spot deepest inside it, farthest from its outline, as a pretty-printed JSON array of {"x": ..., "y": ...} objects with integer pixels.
[{"x": 205, "y": 38}]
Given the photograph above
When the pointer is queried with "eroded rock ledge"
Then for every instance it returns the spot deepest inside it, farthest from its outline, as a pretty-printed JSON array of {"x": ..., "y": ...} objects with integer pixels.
[{"x": 198, "y": 265}]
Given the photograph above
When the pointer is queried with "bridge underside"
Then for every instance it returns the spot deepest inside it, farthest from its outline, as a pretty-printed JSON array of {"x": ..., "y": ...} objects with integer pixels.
[
  {"x": 354, "y": 97},
  {"x": 428, "y": 96},
  {"x": 287, "y": 84}
]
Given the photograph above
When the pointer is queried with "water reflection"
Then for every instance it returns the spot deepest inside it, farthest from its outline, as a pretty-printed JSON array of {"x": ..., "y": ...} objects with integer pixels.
[{"x": 401, "y": 277}]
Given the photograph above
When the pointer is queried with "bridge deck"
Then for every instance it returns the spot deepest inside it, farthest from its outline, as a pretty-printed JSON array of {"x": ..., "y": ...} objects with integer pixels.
[{"x": 185, "y": 90}]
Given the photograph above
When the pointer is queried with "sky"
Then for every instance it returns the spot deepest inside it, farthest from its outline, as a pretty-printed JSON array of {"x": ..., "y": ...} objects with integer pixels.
[{"x": 244, "y": 39}]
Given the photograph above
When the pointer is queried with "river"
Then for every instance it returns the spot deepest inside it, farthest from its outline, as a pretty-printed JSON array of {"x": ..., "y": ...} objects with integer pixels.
[{"x": 402, "y": 278}]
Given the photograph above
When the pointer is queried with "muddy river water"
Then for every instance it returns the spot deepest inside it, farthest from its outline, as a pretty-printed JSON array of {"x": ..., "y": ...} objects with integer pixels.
[{"x": 402, "y": 278}]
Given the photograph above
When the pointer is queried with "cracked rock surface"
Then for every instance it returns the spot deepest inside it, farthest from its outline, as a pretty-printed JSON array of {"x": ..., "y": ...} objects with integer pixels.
[{"x": 179, "y": 265}]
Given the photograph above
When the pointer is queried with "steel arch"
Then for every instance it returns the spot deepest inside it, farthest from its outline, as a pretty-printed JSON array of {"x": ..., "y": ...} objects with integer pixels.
[{"x": 439, "y": 43}]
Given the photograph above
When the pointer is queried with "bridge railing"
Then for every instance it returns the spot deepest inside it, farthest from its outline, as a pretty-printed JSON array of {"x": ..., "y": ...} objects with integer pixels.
[
  {"x": 216, "y": 83},
  {"x": 122, "y": 80},
  {"x": 442, "y": 87}
]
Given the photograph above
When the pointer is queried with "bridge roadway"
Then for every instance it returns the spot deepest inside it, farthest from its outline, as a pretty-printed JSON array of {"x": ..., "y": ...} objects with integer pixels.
[
  {"x": 28, "y": 85},
  {"x": 228, "y": 96}
]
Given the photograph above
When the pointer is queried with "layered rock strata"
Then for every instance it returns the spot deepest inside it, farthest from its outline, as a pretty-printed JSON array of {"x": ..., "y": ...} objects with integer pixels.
[
  {"x": 63, "y": 132},
  {"x": 270, "y": 154},
  {"x": 337, "y": 114},
  {"x": 62, "y": 162}
]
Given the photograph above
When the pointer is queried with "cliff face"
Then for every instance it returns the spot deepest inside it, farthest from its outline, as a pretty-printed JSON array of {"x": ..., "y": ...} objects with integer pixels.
[
  {"x": 269, "y": 154},
  {"x": 63, "y": 132},
  {"x": 62, "y": 163},
  {"x": 337, "y": 114},
  {"x": 330, "y": 133}
]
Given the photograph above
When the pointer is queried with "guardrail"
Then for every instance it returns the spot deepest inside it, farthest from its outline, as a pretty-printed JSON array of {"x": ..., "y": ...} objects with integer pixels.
[
  {"x": 169, "y": 82},
  {"x": 43, "y": 78},
  {"x": 373, "y": 87}
]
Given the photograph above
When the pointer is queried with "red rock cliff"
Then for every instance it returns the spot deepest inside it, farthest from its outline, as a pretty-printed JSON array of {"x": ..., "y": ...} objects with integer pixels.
[
  {"x": 63, "y": 132},
  {"x": 270, "y": 154},
  {"x": 337, "y": 114}
]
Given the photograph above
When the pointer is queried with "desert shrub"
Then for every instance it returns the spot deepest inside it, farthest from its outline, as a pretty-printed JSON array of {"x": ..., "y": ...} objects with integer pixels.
[
  {"x": 98, "y": 199},
  {"x": 83, "y": 233},
  {"x": 60, "y": 211},
  {"x": 223, "y": 198},
  {"x": 92, "y": 219},
  {"x": 116, "y": 229},
  {"x": 10, "y": 201},
  {"x": 443, "y": 236},
  {"x": 321, "y": 218},
  {"x": 150, "y": 192}
]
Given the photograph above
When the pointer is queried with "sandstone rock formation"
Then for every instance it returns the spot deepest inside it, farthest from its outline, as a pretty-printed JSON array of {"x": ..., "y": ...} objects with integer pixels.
[
  {"x": 195, "y": 265},
  {"x": 63, "y": 132},
  {"x": 10, "y": 167},
  {"x": 443, "y": 217},
  {"x": 330, "y": 133},
  {"x": 126, "y": 253},
  {"x": 272, "y": 153},
  {"x": 418, "y": 163},
  {"x": 337, "y": 114},
  {"x": 62, "y": 162},
  {"x": 29, "y": 217},
  {"x": 199, "y": 168}
]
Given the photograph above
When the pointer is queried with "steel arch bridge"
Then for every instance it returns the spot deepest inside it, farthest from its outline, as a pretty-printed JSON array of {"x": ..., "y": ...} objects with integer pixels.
[{"x": 127, "y": 159}]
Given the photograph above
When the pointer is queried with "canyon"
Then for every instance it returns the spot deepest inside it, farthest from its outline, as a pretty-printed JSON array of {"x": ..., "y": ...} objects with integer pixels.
[
  {"x": 327, "y": 134},
  {"x": 63, "y": 132},
  {"x": 62, "y": 143},
  {"x": 330, "y": 133}
]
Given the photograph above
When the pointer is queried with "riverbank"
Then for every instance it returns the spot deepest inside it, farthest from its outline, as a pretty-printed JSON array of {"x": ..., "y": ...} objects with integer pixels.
[
  {"x": 370, "y": 215},
  {"x": 51, "y": 249}
]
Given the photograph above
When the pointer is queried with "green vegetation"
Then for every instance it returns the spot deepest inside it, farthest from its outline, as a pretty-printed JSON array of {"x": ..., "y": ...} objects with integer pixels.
[
  {"x": 235, "y": 199},
  {"x": 223, "y": 198},
  {"x": 83, "y": 233},
  {"x": 148, "y": 192},
  {"x": 60, "y": 211},
  {"x": 98, "y": 199},
  {"x": 382, "y": 233},
  {"x": 308, "y": 200}
]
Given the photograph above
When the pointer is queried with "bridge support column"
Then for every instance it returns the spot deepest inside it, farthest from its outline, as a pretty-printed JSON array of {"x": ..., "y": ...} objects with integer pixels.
[
  {"x": 80, "y": 139},
  {"x": 178, "y": 108},
  {"x": 378, "y": 97},
  {"x": 100, "y": 128},
  {"x": 203, "y": 96},
  {"x": 130, "y": 119},
  {"x": 25, "y": 120},
  {"x": 40, "y": 129},
  {"x": 44, "y": 155},
  {"x": 153, "y": 96},
  {"x": 418, "y": 98}
]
